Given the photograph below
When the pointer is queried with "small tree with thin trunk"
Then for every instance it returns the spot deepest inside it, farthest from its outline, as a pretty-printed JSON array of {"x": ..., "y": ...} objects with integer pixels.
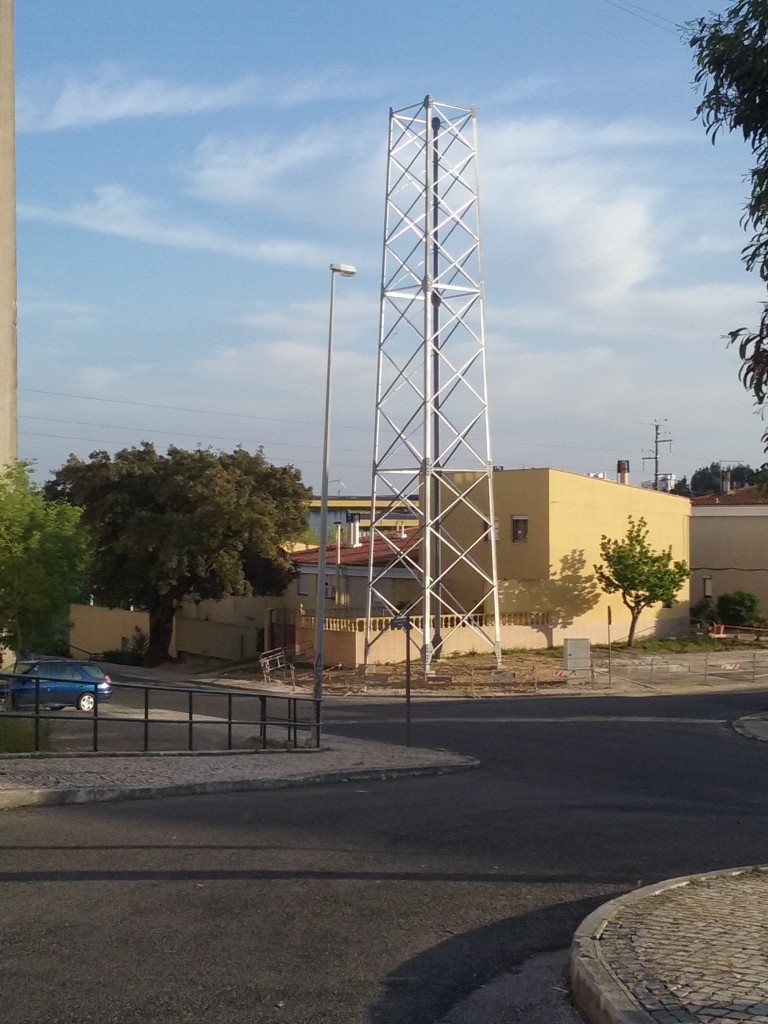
[
  {"x": 43, "y": 560},
  {"x": 643, "y": 577}
]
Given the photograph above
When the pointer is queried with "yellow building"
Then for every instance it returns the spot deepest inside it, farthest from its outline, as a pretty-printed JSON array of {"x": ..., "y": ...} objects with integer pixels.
[
  {"x": 549, "y": 524},
  {"x": 341, "y": 509}
]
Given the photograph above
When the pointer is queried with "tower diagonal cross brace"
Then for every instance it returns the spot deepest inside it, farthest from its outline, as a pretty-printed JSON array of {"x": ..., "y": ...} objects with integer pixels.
[{"x": 431, "y": 438}]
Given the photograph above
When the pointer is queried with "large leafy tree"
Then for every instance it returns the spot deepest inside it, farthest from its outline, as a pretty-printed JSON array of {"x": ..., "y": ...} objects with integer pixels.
[
  {"x": 43, "y": 558},
  {"x": 709, "y": 479},
  {"x": 643, "y": 577},
  {"x": 186, "y": 522},
  {"x": 731, "y": 54}
]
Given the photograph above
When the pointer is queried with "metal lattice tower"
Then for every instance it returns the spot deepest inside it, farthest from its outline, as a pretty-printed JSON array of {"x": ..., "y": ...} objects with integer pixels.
[{"x": 431, "y": 439}]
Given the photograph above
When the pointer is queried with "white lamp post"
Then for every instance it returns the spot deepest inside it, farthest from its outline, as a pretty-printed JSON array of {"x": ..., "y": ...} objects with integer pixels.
[{"x": 343, "y": 270}]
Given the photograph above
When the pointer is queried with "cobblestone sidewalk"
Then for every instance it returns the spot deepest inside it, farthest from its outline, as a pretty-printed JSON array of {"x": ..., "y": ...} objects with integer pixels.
[
  {"x": 56, "y": 780},
  {"x": 686, "y": 951}
]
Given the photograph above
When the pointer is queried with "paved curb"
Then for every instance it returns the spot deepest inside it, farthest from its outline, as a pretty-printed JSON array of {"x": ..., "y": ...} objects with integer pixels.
[
  {"x": 99, "y": 794},
  {"x": 597, "y": 992},
  {"x": 743, "y": 726}
]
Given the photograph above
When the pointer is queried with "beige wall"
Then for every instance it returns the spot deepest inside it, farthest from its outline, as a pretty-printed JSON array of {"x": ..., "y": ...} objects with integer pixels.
[
  {"x": 8, "y": 419},
  {"x": 229, "y": 630},
  {"x": 730, "y": 546},
  {"x": 95, "y": 629}
]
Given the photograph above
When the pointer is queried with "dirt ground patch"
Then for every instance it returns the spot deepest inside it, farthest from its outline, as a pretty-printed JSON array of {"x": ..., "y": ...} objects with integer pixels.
[{"x": 466, "y": 674}]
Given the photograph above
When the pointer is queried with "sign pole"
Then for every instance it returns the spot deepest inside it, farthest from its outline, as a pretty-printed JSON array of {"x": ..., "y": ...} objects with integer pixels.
[
  {"x": 404, "y": 622},
  {"x": 610, "y": 674},
  {"x": 408, "y": 683}
]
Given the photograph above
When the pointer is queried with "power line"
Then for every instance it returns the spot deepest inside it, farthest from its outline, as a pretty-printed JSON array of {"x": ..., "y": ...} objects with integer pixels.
[
  {"x": 176, "y": 433},
  {"x": 171, "y": 408},
  {"x": 648, "y": 16},
  {"x": 499, "y": 447}
]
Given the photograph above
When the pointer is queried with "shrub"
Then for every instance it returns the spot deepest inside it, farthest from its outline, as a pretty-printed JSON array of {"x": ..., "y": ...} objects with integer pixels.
[
  {"x": 738, "y": 608},
  {"x": 139, "y": 643},
  {"x": 17, "y": 735},
  {"x": 703, "y": 611},
  {"x": 120, "y": 656}
]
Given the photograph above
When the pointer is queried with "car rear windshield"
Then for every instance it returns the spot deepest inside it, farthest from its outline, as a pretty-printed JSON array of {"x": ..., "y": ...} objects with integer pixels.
[{"x": 93, "y": 671}]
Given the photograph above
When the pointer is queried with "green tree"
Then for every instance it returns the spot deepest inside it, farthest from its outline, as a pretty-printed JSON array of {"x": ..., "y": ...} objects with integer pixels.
[
  {"x": 682, "y": 488},
  {"x": 709, "y": 479},
  {"x": 642, "y": 576},
  {"x": 165, "y": 526},
  {"x": 43, "y": 559},
  {"x": 731, "y": 55}
]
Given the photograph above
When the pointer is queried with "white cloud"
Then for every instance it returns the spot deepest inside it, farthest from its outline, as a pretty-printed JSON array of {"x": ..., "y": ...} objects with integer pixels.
[
  {"x": 561, "y": 192},
  {"x": 326, "y": 177},
  {"x": 731, "y": 241},
  {"x": 253, "y": 170},
  {"x": 117, "y": 211},
  {"x": 112, "y": 95},
  {"x": 68, "y": 315}
]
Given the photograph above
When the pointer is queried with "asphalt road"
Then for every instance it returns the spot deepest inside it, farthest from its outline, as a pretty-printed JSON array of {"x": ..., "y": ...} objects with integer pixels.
[{"x": 383, "y": 902}]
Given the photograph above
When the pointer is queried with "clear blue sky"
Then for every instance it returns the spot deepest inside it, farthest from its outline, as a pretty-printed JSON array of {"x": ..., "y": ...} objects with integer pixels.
[{"x": 188, "y": 169}]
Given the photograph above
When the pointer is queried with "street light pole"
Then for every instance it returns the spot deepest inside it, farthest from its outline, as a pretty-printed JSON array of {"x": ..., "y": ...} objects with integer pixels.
[{"x": 343, "y": 270}]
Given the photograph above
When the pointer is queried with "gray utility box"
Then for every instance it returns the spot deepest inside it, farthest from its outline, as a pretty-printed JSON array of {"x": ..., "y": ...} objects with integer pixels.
[{"x": 577, "y": 658}]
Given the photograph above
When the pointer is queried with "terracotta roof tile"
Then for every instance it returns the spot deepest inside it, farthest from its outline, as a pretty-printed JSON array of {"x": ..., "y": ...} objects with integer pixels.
[{"x": 755, "y": 495}]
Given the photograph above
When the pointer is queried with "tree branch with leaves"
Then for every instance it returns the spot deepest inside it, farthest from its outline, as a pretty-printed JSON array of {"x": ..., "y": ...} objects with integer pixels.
[
  {"x": 731, "y": 55},
  {"x": 44, "y": 556}
]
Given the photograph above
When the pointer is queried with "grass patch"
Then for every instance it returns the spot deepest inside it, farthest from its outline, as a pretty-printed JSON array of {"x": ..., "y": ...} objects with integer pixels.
[
  {"x": 17, "y": 735},
  {"x": 680, "y": 645},
  {"x": 526, "y": 652}
]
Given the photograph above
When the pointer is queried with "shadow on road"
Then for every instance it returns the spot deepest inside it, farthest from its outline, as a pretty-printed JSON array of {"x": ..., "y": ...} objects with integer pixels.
[{"x": 424, "y": 988}]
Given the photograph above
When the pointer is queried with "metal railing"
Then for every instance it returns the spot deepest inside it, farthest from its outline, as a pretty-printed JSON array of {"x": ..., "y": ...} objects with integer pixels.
[
  {"x": 721, "y": 666},
  {"x": 353, "y": 620},
  {"x": 299, "y": 721}
]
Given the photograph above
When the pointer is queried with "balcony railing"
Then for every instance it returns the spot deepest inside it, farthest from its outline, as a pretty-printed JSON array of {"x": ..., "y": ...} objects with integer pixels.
[{"x": 353, "y": 621}]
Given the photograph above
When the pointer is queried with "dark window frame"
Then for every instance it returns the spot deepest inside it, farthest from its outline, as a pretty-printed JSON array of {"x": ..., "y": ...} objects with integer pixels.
[{"x": 519, "y": 529}]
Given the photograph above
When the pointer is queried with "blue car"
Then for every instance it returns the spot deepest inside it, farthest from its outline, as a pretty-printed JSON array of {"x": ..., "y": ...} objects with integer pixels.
[{"x": 58, "y": 684}]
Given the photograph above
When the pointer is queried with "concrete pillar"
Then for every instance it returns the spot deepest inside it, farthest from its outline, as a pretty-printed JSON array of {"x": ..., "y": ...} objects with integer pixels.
[{"x": 8, "y": 378}]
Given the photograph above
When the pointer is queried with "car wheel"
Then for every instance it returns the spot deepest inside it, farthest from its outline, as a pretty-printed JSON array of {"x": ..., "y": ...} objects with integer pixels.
[{"x": 85, "y": 702}]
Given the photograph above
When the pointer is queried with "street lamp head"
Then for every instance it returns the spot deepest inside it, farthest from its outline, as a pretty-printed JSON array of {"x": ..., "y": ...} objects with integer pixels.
[{"x": 344, "y": 269}]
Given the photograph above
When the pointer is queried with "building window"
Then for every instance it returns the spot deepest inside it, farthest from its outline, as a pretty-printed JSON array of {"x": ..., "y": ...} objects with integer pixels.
[
  {"x": 303, "y": 583},
  {"x": 519, "y": 529}
]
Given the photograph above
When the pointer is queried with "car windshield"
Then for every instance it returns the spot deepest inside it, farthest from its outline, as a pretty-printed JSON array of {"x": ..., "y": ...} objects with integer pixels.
[{"x": 24, "y": 667}]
